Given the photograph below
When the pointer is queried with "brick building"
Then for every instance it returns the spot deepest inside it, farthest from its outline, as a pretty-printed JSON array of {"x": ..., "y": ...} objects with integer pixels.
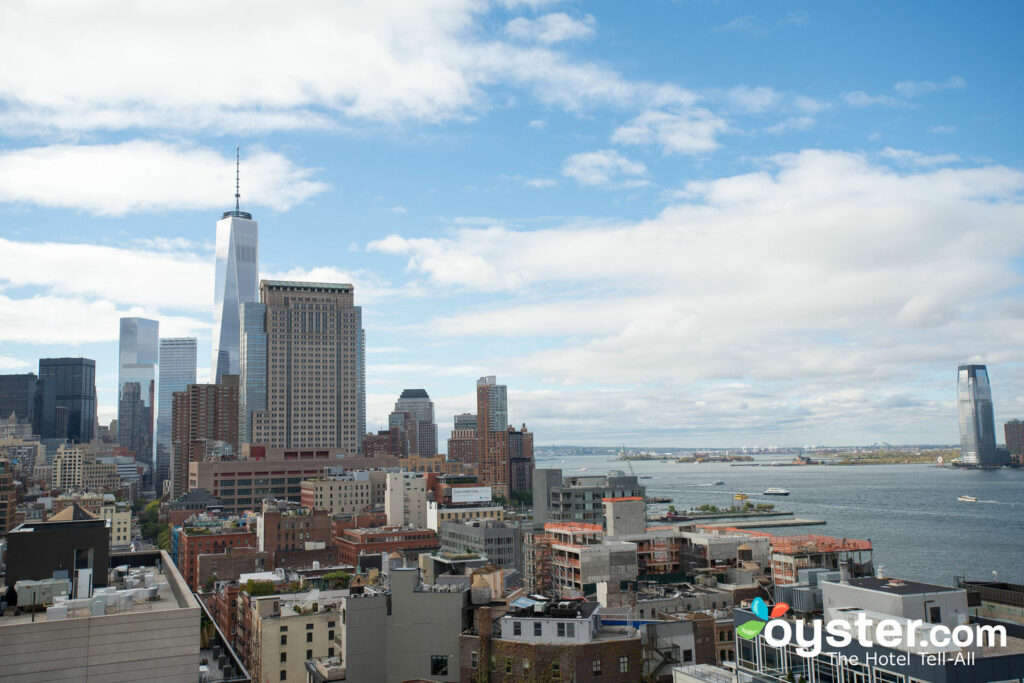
[
  {"x": 201, "y": 416},
  {"x": 191, "y": 541},
  {"x": 352, "y": 542}
]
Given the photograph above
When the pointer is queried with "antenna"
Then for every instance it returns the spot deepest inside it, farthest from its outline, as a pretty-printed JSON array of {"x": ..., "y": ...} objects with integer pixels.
[{"x": 237, "y": 163}]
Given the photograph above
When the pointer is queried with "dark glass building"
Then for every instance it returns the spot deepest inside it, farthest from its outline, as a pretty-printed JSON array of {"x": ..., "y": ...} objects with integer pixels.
[
  {"x": 977, "y": 423},
  {"x": 72, "y": 382},
  {"x": 17, "y": 395}
]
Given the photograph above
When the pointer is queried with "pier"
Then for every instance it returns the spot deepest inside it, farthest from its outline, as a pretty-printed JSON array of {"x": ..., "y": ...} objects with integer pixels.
[{"x": 767, "y": 523}]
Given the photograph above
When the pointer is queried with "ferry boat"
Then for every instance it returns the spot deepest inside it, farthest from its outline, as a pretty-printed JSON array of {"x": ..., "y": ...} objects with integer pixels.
[
  {"x": 718, "y": 483},
  {"x": 775, "y": 492},
  {"x": 740, "y": 496},
  {"x": 967, "y": 499}
]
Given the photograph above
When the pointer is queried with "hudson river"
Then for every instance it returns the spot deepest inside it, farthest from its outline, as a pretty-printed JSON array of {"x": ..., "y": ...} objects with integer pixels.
[{"x": 910, "y": 513}]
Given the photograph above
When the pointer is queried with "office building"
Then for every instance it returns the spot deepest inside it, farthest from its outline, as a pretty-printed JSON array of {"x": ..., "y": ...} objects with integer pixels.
[
  {"x": 462, "y": 445},
  {"x": 204, "y": 421},
  {"x": 315, "y": 372},
  {"x": 177, "y": 371},
  {"x": 236, "y": 278},
  {"x": 8, "y": 497},
  {"x": 499, "y": 542},
  {"x": 252, "y": 367},
  {"x": 405, "y": 499},
  {"x": 520, "y": 459},
  {"x": 138, "y": 354},
  {"x": 17, "y": 396},
  {"x": 417, "y": 403},
  {"x": 346, "y": 494},
  {"x": 76, "y": 467},
  {"x": 69, "y": 386},
  {"x": 1014, "y": 432},
  {"x": 492, "y": 434},
  {"x": 977, "y": 423},
  {"x": 579, "y": 499}
]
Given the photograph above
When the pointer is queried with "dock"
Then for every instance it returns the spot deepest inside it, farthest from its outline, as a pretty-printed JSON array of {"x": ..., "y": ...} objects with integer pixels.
[{"x": 767, "y": 523}]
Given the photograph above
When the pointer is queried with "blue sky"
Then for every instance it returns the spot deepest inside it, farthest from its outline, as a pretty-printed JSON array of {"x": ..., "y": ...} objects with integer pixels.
[{"x": 677, "y": 223}]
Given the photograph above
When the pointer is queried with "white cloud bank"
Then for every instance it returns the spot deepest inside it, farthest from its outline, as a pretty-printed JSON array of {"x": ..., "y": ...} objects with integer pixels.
[{"x": 142, "y": 175}]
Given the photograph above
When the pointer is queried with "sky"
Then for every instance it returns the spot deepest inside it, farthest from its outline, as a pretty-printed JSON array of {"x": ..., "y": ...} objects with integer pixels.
[{"x": 693, "y": 223}]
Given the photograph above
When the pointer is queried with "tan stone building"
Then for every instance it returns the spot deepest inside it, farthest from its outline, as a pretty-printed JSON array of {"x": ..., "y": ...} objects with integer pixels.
[
  {"x": 315, "y": 379},
  {"x": 75, "y": 467},
  {"x": 345, "y": 494}
]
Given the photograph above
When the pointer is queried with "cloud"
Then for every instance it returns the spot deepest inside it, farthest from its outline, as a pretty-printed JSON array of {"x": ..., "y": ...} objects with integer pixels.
[
  {"x": 942, "y": 130},
  {"x": 604, "y": 167},
  {"x": 691, "y": 131},
  {"x": 908, "y": 156},
  {"x": 540, "y": 183},
  {"x": 859, "y": 98},
  {"x": 793, "y": 123},
  {"x": 398, "y": 209},
  {"x": 915, "y": 88},
  {"x": 551, "y": 28},
  {"x": 753, "y": 100},
  {"x": 538, "y": 124},
  {"x": 142, "y": 175},
  {"x": 8, "y": 364},
  {"x": 806, "y": 294},
  {"x": 747, "y": 23}
]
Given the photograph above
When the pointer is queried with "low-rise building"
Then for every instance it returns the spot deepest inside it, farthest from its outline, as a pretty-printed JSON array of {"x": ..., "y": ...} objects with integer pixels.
[
  {"x": 354, "y": 542},
  {"x": 535, "y": 640},
  {"x": 438, "y": 513},
  {"x": 499, "y": 542},
  {"x": 347, "y": 493},
  {"x": 405, "y": 499},
  {"x": 189, "y": 542},
  {"x": 579, "y": 498}
]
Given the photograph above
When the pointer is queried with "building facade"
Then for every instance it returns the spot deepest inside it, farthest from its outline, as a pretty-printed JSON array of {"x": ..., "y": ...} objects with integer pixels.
[
  {"x": 315, "y": 371},
  {"x": 201, "y": 416},
  {"x": 345, "y": 494},
  {"x": 977, "y": 422},
  {"x": 177, "y": 371},
  {"x": 138, "y": 356},
  {"x": 71, "y": 391},
  {"x": 252, "y": 367},
  {"x": 417, "y": 403},
  {"x": 235, "y": 280}
]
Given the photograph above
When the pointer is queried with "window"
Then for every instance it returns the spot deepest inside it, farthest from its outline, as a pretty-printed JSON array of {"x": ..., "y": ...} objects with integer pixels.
[
  {"x": 283, "y": 629},
  {"x": 474, "y": 659},
  {"x": 561, "y": 630},
  {"x": 623, "y": 665},
  {"x": 309, "y": 637},
  {"x": 934, "y": 614},
  {"x": 570, "y": 630},
  {"x": 330, "y": 635},
  {"x": 284, "y": 674},
  {"x": 438, "y": 665},
  {"x": 526, "y": 667},
  {"x": 537, "y": 628},
  {"x": 309, "y": 627},
  {"x": 330, "y": 624},
  {"x": 309, "y": 654},
  {"x": 330, "y": 652},
  {"x": 508, "y": 665},
  {"x": 687, "y": 655},
  {"x": 556, "y": 672},
  {"x": 595, "y": 667},
  {"x": 517, "y": 628},
  {"x": 284, "y": 656},
  {"x": 284, "y": 640}
]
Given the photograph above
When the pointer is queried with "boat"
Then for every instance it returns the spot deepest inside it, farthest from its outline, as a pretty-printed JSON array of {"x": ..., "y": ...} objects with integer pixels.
[
  {"x": 775, "y": 492},
  {"x": 647, "y": 477},
  {"x": 718, "y": 483},
  {"x": 657, "y": 499},
  {"x": 740, "y": 496},
  {"x": 967, "y": 499}
]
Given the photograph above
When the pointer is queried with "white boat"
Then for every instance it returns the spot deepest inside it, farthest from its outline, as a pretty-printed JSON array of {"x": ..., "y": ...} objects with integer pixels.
[
  {"x": 775, "y": 492},
  {"x": 967, "y": 499}
]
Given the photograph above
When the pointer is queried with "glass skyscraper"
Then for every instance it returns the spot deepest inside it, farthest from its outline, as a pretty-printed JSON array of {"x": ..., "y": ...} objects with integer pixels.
[
  {"x": 252, "y": 371},
  {"x": 177, "y": 371},
  {"x": 236, "y": 282},
  {"x": 67, "y": 406},
  {"x": 138, "y": 355},
  {"x": 977, "y": 422}
]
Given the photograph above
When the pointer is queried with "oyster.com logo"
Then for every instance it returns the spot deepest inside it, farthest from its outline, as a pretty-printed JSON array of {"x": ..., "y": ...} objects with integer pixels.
[{"x": 750, "y": 629}]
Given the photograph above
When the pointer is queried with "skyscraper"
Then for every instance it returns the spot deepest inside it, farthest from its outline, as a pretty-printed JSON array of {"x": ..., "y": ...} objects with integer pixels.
[
  {"x": 417, "y": 403},
  {"x": 977, "y": 423},
  {"x": 252, "y": 367},
  {"x": 69, "y": 385},
  {"x": 492, "y": 434},
  {"x": 177, "y": 371},
  {"x": 204, "y": 420},
  {"x": 315, "y": 374},
  {"x": 463, "y": 446},
  {"x": 17, "y": 395},
  {"x": 139, "y": 350},
  {"x": 236, "y": 280}
]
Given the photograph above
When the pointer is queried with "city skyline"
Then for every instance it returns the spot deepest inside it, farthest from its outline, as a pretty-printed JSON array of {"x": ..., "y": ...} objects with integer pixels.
[{"x": 650, "y": 233}]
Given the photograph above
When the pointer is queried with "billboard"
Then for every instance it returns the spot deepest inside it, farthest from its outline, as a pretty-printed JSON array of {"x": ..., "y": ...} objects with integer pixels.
[{"x": 471, "y": 494}]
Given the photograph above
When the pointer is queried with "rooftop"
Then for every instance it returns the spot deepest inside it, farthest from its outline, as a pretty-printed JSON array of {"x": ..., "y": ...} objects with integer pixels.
[{"x": 899, "y": 586}]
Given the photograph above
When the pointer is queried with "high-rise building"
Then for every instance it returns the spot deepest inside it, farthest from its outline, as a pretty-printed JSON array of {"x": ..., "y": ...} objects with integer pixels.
[
  {"x": 1014, "y": 431},
  {"x": 177, "y": 371},
  {"x": 462, "y": 446},
  {"x": 520, "y": 459},
  {"x": 252, "y": 367},
  {"x": 70, "y": 384},
  {"x": 417, "y": 403},
  {"x": 17, "y": 396},
  {"x": 315, "y": 372},
  {"x": 236, "y": 279},
  {"x": 139, "y": 353},
  {"x": 977, "y": 423},
  {"x": 204, "y": 420},
  {"x": 492, "y": 435}
]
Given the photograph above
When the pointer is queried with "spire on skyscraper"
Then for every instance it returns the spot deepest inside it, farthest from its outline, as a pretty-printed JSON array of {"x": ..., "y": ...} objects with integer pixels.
[{"x": 237, "y": 165}]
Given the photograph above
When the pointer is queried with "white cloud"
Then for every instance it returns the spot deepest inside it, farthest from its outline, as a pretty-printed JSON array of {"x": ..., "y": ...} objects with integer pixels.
[
  {"x": 754, "y": 100},
  {"x": 793, "y": 123},
  {"x": 803, "y": 296},
  {"x": 747, "y": 23},
  {"x": 540, "y": 183},
  {"x": 538, "y": 124},
  {"x": 142, "y": 175},
  {"x": 915, "y": 88},
  {"x": 942, "y": 130},
  {"x": 551, "y": 28},
  {"x": 691, "y": 131},
  {"x": 909, "y": 156},
  {"x": 398, "y": 209},
  {"x": 8, "y": 364},
  {"x": 604, "y": 167},
  {"x": 859, "y": 98}
]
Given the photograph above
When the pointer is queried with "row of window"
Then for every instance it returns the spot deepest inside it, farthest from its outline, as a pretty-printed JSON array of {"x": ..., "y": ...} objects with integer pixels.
[{"x": 596, "y": 666}]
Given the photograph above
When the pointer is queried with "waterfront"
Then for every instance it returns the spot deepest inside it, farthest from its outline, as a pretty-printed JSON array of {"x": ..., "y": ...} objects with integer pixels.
[{"x": 910, "y": 512}]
